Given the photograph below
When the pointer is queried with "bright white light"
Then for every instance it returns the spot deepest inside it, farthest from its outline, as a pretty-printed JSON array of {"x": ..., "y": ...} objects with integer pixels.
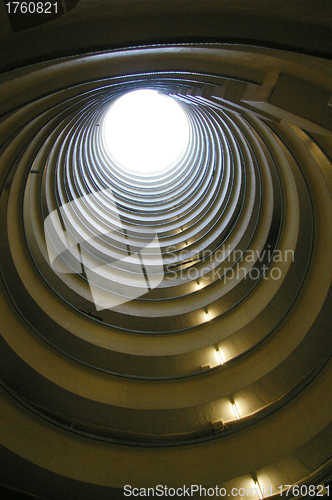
[
  {"x": 146, "y": 132},
  {"x": 220, "y": 356},
  {"x": 236, "y": 411},
  {"x": 260, "y": 493},
  {"x": 207, "y": 316}
]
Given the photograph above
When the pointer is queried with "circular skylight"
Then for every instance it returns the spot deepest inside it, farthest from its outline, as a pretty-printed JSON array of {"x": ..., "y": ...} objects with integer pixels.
[{"x": 146, "y": 132}]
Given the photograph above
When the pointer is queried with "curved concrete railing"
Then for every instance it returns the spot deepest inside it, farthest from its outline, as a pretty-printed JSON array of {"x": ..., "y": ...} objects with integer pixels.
[{"x": 241, "y": 316}]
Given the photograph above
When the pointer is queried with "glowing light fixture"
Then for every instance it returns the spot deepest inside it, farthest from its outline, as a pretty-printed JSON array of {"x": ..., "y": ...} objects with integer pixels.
[
  {"x": 146, "y": 132},
  {"x": 199, "y": 286},
  {"x": 236, "y": 411},
  {"x": 260, "y": 493},
  {"x": 220, "y": 357},
  {"x": 207, "y": 316}
]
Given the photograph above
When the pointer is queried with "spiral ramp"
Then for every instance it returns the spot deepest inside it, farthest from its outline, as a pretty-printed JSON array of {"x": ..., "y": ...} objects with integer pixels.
[{"x": 220, "y": 374}]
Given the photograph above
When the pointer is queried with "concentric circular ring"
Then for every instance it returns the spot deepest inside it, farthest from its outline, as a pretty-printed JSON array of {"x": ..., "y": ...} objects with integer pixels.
[{"x": 232, "y": 245}]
